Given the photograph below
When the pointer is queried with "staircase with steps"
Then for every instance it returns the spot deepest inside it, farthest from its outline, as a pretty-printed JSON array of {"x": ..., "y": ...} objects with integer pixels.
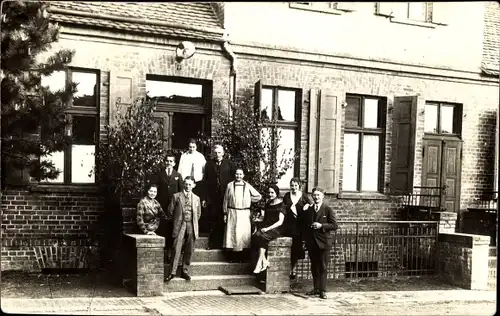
[
  {"x": 492, "y": 268},
  {"x": 209, "y": 271}
]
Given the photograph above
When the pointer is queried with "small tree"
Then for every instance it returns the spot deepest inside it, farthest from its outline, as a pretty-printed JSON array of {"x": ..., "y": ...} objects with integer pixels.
[
  {"x": 134, "y": 148},
  {"x": 248, "y": 144},
  {"x": 28, "y": 109}
]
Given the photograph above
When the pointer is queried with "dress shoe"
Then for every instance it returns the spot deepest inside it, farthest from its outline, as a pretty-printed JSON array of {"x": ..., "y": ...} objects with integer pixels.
[
  {"x": 170, "y": 277},
  {"x": 186, "y": 276},
  {"x": 312, "y": 292},
  {"x": 293, "y": 277},
  {"x": 322, "y": 295}
]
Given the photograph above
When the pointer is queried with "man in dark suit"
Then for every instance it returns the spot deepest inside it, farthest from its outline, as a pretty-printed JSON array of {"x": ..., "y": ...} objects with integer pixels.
[
  {"x": 184, "y": 211},
  {"x": 169, "y": 182},
  {"x": 318, "y": 222},
  {"x": 218, "y": 173}
]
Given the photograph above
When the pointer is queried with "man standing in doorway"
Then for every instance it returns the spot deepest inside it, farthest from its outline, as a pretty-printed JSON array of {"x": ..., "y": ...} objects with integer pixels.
[
  {"x": 192, "y": 163},
  {"x": 169, "y": 182},
  {"x": 184, "y": 211},
  {"x": 218, "y": 173},
  {"x": 319, "y": 221}
]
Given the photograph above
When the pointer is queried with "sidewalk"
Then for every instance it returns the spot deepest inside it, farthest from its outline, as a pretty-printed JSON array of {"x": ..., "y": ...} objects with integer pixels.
[{"x": 94, "y": 295}]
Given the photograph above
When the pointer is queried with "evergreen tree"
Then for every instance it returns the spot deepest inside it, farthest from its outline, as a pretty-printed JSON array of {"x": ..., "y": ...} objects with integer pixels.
[{"x": 33, "y": 121}]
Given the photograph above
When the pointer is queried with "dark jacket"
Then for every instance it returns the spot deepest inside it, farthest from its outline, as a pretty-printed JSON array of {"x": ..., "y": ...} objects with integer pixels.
[
  {"x": 167, "y": 186},
  {"x": 319, "y": 238},
  {"x": 293, "y": 222},
  {"x": 216, "y": 189}
]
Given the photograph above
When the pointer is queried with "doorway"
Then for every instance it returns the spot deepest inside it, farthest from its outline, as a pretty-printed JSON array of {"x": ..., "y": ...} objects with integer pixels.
[{"x": 441, "y": 166}]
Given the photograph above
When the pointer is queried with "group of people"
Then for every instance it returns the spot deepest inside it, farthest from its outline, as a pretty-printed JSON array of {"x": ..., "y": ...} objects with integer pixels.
[{"x": 219, "y": 188}]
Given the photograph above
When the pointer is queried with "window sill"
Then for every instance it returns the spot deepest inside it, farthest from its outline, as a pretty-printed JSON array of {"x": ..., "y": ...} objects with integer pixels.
[
  {"x": 64, "y": 188},
  {"x": 411, "y": 22},
  {"x": 311, "y": 8},
  {"x": 362, "y": 196}
]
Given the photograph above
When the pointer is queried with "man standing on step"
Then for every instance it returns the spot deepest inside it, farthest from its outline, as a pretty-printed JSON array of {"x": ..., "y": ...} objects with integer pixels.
[
  {"x": 218, "y": 173},
  {"x": 168, "y": 181},
  {"x": 318, "y": 222},
  {"x": 184, "y": 211}
]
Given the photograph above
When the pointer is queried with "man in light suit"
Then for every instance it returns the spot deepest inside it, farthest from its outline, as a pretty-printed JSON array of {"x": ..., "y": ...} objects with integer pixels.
[
  {"x": 184, "y": 211},
  {"x": 318, "y": 222},
  {"x": 218, "y": 173},
  {"x": 168, "y": 181}
]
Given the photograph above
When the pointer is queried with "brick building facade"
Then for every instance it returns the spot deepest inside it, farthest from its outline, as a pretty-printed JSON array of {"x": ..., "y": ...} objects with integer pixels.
[{"x": 403, "y": 69}]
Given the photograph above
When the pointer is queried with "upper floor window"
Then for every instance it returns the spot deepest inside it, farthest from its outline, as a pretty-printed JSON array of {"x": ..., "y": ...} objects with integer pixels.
[
  {"x": 78, "y": 160},
  {"x": 364, "y": 138},
  {"x": 416, "y": 11},
  {"x": 325, "y": 7},
  {"x": 442, "y": 118}
]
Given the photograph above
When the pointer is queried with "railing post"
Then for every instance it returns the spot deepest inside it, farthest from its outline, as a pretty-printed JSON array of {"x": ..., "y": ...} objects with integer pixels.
[{"x": 357, "y": 249}]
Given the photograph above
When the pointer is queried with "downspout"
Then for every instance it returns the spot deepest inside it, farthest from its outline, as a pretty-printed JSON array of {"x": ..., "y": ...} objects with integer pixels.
[{"x": 232, "y": 74}]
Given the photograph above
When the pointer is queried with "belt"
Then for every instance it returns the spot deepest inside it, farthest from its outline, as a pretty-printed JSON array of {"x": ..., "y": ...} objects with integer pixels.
[{"x": 236, "y": 208}]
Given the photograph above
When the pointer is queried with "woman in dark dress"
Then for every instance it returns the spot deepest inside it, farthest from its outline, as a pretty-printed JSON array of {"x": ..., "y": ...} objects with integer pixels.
[
  {"x": 270, "y": 228},
  {"x": 294, "y": 202}
]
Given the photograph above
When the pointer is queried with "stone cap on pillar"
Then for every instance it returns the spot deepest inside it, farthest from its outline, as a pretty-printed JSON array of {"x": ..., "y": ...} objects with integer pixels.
[
  {"x": 146, "y": 241},
  {"x": 466, "y": 240},
  {"x": 281, "y": 242}
]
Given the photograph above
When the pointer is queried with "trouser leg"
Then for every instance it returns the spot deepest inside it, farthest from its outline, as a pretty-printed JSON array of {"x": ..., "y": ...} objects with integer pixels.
[
  {"x": 188, "y": 247},
  {"x": 177, "y": 249},
  {"x": 324, "y": 257},
  {"x": 313, "y": 256}
]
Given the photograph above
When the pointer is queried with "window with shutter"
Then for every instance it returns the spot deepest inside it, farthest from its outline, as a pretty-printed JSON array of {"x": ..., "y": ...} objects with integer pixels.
[
  {"x": 78, "y": 160},
  {"x": 279, "y": 109},
  {"x": 403, "y": 144},
  {"x": 426, "y": 14},
  {"x": 364, "y": 139},
  {"x": 324, "y": 140}
]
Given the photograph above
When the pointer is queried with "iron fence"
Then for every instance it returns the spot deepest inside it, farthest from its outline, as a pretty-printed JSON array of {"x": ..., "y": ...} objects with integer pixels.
[
  {"x": 487, "y": 201},
  {"x": 380, "y": 249}
]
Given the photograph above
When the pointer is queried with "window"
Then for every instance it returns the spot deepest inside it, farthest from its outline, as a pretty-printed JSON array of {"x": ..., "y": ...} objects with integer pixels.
[
  {"x": 415, "y": 11},
  {"x": 174, "y": 92},
  {"x": 442, "y": 118},
  {"x": 77, "y": 162},
  {"x": 364, "y": 138},
  {"x": 324, "y": 7},
  {"x": 282, "y": 106}
]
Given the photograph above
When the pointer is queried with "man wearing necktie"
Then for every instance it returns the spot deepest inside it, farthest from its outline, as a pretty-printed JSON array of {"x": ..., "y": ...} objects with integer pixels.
[
  {"x": 318, "y": 222},
  {"x": 184, "y": 211},
  {"x": 218, "y": 173},
  {"x": 169, "y": 182}
]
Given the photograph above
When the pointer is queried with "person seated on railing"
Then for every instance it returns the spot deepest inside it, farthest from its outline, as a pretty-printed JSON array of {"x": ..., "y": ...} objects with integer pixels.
[
  {"x": 270, "y": 228},
  {"x": 149, "y": 212},
  {"x": 294, "y": 202}
]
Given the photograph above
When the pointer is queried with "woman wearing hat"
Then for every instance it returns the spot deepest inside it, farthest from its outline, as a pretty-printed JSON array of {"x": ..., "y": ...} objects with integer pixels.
[{"x": 271, "y": 226}]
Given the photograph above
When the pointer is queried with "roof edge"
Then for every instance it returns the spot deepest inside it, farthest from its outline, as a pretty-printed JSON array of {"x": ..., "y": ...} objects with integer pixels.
[
  {"x": 136, "y": 20},
  {"x": 490, "y": 71}
]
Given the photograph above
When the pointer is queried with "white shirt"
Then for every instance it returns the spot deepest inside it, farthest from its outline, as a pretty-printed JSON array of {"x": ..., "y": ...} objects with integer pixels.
[{"x": 188, "y": 161}]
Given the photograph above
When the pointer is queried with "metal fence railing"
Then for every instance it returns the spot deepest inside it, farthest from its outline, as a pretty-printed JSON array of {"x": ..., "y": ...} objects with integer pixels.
[
  {"x": 380, "y": 249},
  {"x": 487, "y": 201}
]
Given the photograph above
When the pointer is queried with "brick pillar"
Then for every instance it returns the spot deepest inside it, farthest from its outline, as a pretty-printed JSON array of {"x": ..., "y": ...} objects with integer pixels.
[
  {"x": 447, "y": 221},
  {"x": 463, "y": 260},
  {"x": 278, "y": 273},
  {"x": 145, "y": 271}
]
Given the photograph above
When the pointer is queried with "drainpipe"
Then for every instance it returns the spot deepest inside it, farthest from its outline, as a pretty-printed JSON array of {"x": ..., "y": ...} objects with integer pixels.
[{"x": 232, "y": 75}]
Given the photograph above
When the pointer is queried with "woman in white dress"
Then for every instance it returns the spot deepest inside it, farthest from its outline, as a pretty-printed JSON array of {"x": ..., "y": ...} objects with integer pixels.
[{"x": 237, "y": 200}]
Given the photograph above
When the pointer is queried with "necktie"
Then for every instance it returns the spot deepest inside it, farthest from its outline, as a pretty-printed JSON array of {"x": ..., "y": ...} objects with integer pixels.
[
  {"x": 316, "y": 207},
  {"x": 192, "y": 170},
  {"x": 169, "y": 172}
]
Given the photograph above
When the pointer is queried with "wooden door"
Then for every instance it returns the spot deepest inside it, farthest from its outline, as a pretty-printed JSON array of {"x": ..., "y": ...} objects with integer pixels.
[
  {"x": 441, "y": 166},
  {"x": 164, "y": 122}
]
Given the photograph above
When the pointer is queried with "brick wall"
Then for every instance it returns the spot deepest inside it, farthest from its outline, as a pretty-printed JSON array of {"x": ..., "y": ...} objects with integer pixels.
[
  {"x": 479, "y": 100},
  {"x": 32, "y": 219}
]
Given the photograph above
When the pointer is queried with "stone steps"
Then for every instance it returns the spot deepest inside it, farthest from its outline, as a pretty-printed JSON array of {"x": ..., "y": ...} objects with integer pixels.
[
  {"x": 207, "y": 282},
  {"x": 210, "y": 271},
  {"x": 208, "y": 268}
]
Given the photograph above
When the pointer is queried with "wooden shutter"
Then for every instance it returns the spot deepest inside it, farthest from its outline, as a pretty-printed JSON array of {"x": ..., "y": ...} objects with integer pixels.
[
  {"x": 346, "y": 6},
  {"x": 324, "y": 140},
  {"x": 403, "y": 144},
  {"x": 439, "y": 13},
  {"x": 123, "y": 91},
  {"x": 257, "y": 96},
  {"x": 384, "y": 8},
  {"x": 312, "y": 172}
]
